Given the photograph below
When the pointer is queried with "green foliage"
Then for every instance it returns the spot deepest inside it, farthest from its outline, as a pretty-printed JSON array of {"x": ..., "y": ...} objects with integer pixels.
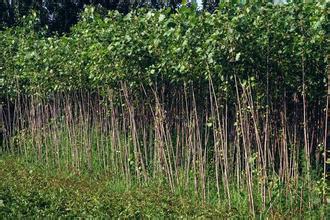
[
  {"x": 254, "y": 41},
  {"x": 31, "y": 191},
  {"x": 28, "y": 191}
]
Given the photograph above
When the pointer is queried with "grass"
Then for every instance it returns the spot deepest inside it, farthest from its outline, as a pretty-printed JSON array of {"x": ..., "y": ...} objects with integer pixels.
[{"x": 28, "y": 190}]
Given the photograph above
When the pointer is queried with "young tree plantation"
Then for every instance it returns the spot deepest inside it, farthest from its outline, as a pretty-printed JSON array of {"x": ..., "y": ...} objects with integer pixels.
[{"x": 166, "y": 113}]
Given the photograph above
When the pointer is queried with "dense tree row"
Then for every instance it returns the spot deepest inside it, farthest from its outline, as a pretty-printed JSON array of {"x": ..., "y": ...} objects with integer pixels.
[
  {"x": 200, "y": 100},
  {"x": 186, "y": 46}
]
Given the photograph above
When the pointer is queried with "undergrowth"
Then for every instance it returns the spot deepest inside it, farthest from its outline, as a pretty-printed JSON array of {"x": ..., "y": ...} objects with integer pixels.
[{"x": 28, "y": 190}]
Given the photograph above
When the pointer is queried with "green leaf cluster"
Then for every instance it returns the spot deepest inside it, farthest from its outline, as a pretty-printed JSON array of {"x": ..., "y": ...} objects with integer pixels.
[{"x": 265, "y": 45}]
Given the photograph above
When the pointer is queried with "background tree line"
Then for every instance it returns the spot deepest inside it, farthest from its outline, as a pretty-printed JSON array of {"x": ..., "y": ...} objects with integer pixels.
[{"x": 60, "y": 15}]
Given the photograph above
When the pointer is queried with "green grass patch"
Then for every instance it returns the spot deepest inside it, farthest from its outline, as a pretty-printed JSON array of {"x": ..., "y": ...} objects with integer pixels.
[
  {"x": 29, "y": 191},
  {"x": 33, "y": 191}
]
